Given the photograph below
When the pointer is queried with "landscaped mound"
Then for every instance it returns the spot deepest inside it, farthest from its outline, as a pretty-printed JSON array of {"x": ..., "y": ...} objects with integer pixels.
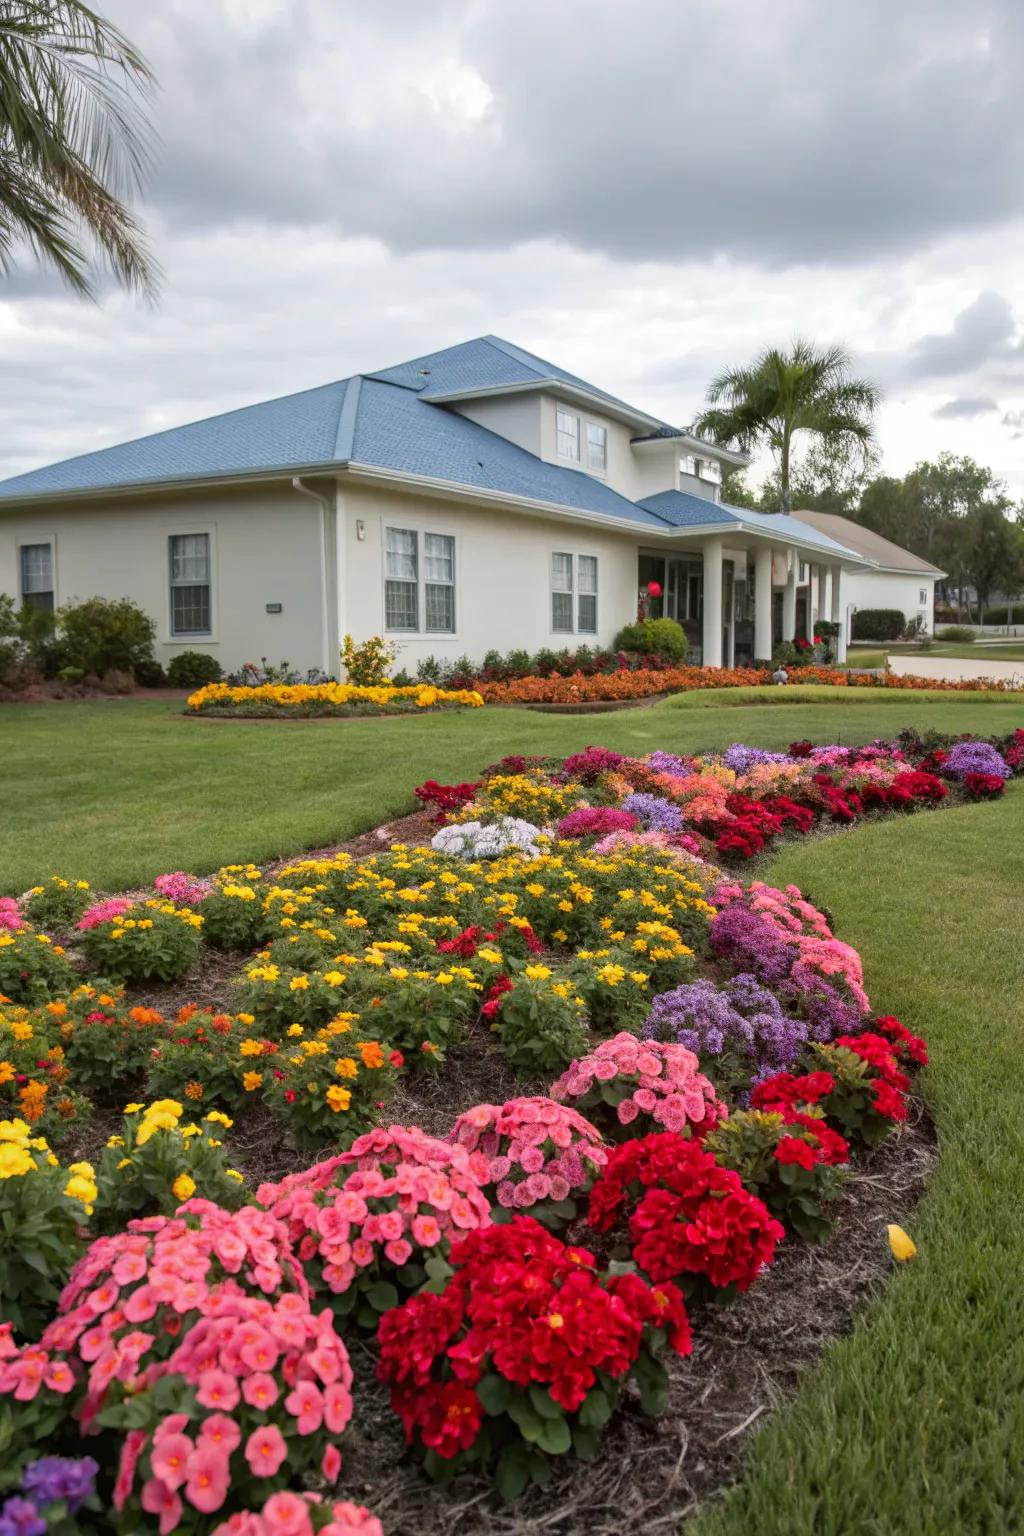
[
  {"x": 527, "y": 1282},
  {"x": 309, "y": 700},
  {"x": 580, "y": 688}
]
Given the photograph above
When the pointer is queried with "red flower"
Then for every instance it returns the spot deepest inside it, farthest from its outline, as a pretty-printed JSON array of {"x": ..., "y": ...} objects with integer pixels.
[
  {"x": 792, "y": 1150},
  {"x": 888, "y": 1100}
]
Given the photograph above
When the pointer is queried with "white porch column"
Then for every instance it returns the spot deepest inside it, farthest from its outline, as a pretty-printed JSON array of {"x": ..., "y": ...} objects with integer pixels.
[
  {"x": 789, "y": 599},
  {"x": 809, "y": 626},
  {"x": 713, "y": 603},
  {"x": 763, "y": 603},
  {"x": 839, "y": 611}
]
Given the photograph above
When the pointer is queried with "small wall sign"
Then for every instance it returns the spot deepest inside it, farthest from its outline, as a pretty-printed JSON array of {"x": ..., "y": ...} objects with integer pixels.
[{"x": 274, "y": 607}]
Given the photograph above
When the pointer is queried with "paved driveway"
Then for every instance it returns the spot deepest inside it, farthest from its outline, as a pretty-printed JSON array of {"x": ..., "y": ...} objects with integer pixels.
[{"x": 953, "y": 668}]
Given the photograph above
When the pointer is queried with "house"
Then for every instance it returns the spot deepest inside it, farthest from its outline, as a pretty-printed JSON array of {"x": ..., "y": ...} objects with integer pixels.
[
  {"x": 895, "y": 579},
  {"x": 475, "y": 498}
]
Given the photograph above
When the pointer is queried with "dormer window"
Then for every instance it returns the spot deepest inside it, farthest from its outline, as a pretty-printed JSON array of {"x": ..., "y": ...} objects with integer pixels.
[
  {"x": 597, "y": 448},
  {"x": 567, "y": 434}
]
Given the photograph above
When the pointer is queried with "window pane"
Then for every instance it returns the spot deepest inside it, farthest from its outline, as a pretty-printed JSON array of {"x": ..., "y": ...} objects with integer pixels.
[
  {"x": 568, "y": 434},
  {"x": 588, "y": 614},
  {"x": 401, "y": 554},
  {"x": 561, "y": 611},
  {"x": 190, "y": 557},
  {"x": 190, "y": 610},
  {"x": 400, "y": 605},
  {"x": 36, "y": 568},
  {"x": 440, "y": 603},
  {"x": 561, "y": 573},
  {"x": 438, "y": 557},
  {"x": 597, "y": 446},
  {"x": 588, "y": 573}
]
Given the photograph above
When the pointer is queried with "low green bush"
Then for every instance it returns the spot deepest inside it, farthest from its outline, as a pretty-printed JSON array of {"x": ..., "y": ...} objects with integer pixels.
[
  {"x": 958, "y": 632},
  {"x": 878, "y": 624},
  {"x": 191, "y": 669},
  {"x": 653, "y": 637}
]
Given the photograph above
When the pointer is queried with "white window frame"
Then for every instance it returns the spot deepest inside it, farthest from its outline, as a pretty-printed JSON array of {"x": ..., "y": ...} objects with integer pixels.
[
  {"x": 421, "y": 534},
  {"x": 34, "y": 541},
  {"x": 602, "y": 468},
  {"x": 574, "y": 592},
  {"x": 190, "y": 530},
  {"x": 923, "y": 597},
  {"x": 560, "y": 432}
]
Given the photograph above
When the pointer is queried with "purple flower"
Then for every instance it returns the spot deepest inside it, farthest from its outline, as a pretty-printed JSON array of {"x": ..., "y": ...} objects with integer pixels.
[
  {"x": 975, "y": 757},
  {"x": 667, "y": 762},
  {"x": 654, "y": 813},
  {"x": 741, "y": 759},
  {"x": 60, "y": 1477},
  {"x": 19, "y": 1517},
  {"x": 750, "y": 944},
  {"x": 741, "y": 1021}
]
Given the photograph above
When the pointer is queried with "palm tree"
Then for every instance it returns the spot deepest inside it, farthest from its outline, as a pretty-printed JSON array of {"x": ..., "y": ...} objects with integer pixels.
[
  {"x": 73, "y": 141},
  {"x": 780, "y": 394}
]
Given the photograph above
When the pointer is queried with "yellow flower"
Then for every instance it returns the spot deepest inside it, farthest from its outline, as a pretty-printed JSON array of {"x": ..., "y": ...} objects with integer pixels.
[
  {"x": 14, "y": 1161},
  {"x": 115, "y": 1141},
  {"x": 537, "y": 972},
  {"x": 901, "y": 1246},
  {"x": 233, "y": 1173},
  {"x": 218, "y": 1117},
  {"x": 345, "y": 1067},
  {"x": 338, "y": 1098},
  {"x": 246, "y": 1018},
  {"x": 294, "y": 1030},
  {"x": 251, "y": 1081},
  {"x": 183, "y": 1188},
  {"x": 133, "y": 1109},
  {"x": 251, "y": 1048}
]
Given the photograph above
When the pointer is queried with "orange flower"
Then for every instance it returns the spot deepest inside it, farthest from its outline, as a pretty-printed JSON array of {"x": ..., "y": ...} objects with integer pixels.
[
  {"x": 33, "y": 1100},
  {"x": 371, "y": 1053},
  {"x": 184, "y": 1014},
  {"x": 145, "y": 1016},
  {"x": 193, "y": 1090},
  {"x": 57, "y": 1010},
  {"x": 221, "y": 1022}
]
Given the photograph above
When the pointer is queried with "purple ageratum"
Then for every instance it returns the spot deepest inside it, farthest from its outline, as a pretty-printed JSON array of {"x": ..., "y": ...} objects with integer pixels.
[
  {"x": 667, "y": 762},
  {"x": 654, "y": 813},
  {"x": 741, "y": 759},
  {"x": 53, "y": 1478},
  {"x": 750, "y": 944},
  {"x": 740, "y": 1020},
  {"x": 975, "y": 757},
  {"x": 20, "y": 1517}
]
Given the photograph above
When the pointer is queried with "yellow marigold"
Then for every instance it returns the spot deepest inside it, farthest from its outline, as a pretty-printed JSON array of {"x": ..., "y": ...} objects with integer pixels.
[
  {"x": 193, "y": 1090},
  {"x": 251, "y": 1048},
  {"x": 6, "y": 1071},
  {"x": 537, "y": 972},
  {"x": 183, "y": 1188},
  {"x": 251, "y": 1081},
  {"x": 14, "y": 1161},
  {"x": 345, "y": 1067},
  {"x": 338, "y": 1098}
]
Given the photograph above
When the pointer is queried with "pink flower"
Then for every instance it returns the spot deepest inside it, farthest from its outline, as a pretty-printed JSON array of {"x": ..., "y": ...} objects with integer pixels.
[
  {"x": 337, "y": 1407},
  {"x": 134, "y": 1441},
  {"x": 265, "y": 1450},
  {"x": 169, "y": 1460},
  {"x": 217, "y": 1389},
  {"x": 426, "y": 1231},
  {"x": 260, "y": 1390},
  {"x": 331, "y": 1464},
  {"x": 208, "y": 1477},
  {"x": 286, "y": 1514},
  {"x": 305, "y": 1403},
  {"x": 159, "y": 1499},
  {"x": 399, "y": 1252},
  {"x": 221, "y": 1431}
]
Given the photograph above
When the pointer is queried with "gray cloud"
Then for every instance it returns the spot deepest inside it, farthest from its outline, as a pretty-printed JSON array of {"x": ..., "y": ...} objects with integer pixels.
[
  {"x": 799, "y": 132},
  {"x": 965, "y": 407},
  {"x": 980, "y": 334}
]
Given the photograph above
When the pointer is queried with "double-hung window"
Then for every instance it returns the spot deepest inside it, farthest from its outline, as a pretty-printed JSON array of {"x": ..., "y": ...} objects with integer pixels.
[
  {"x": 573, "y": 593},
  {"x": 597, "y": 448},
  {"x": 567, "y": 434},
  {"x": 37, "y": 576},
  {"x": 419, "y": 581},
  {"x": 191, "y": 608}
]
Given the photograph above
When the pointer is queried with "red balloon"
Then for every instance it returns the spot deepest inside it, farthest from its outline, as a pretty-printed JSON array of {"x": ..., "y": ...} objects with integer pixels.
[{"x": 654, "y": 589}]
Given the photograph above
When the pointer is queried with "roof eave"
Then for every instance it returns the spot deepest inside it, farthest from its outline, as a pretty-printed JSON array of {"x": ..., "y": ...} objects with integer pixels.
[{"x": 550, "y": 386}]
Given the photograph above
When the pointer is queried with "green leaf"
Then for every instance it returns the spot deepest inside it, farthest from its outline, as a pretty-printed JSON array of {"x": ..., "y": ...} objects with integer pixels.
[
  {"x": 596, "y": 1409},
  {"x": 529, "y": 1424},
  {"x": 494, "y": 1393},
  {"x": 513, "y": 1472},
  {"x": 586, "y": 1441},
  {"x": 555, "y": 1437},
  {"x": 540, "y": 1397},
  {"x": 382, "y": 1296}
]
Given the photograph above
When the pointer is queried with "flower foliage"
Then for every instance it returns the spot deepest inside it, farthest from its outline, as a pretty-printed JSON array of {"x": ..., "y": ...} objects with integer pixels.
[{"x": 536, "y": 1155}]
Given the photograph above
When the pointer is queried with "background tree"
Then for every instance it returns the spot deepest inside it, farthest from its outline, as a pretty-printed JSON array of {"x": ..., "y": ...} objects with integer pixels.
[
  {"x": 779, "y": 395},
  {"x": 73, "y": 141}
]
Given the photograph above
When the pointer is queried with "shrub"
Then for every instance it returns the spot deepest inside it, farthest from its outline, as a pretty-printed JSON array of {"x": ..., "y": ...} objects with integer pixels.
[
  {"x": 42, "y": 1207},
  {"x": 375, "y": 1223},
  {"x": 472, "y": 840},
  {"x": 108, "y": 1049},
  {"x": 107, "y": 634},
  {"x": 538, "y": 1020},
  {"x": 739, "y": 1030},
  {"x": 551, "y": 1344},
  {"x": 686, "y": 1217},
  {"x": 150, "y": 674},
  {"x": 32, "y": 967},
  {"x": 57, "y": 904},
  {"x": 232, "y": 912},
  {"x": 663, "y": 638},
  {"x": 191, "y": 669},
  {"x": 152, "y": 940},
  {"x": 958, "y": 633},
  {"x": 878, "y": 624},
  {"x": 367, "y": 665}
]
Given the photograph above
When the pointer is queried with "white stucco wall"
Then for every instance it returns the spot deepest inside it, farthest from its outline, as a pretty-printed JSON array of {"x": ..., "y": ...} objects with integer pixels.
[
  {"x": 886, "y": 589},
  {"x": 502, "y": 573},
  {"x": 265, "y": 548},
  {"x": 514, "y": 417}
]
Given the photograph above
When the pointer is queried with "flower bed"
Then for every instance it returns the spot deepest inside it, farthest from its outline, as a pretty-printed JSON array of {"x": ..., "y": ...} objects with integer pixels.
[
  {"x": 699, "y": 1066},
  {"x": 307, "y": 701},
  {"x": 580, "y": 688}
]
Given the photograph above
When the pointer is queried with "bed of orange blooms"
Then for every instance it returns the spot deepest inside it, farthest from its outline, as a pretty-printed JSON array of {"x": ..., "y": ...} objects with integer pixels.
[{"x": 641, "y": 684}]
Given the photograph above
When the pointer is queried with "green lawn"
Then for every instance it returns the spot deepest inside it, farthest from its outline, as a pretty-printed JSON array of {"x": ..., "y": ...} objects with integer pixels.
[
  {"x": 916, "y": 1421},
  {"x": 118, "y": 791},
  {"x": 1009, "y": 651}
]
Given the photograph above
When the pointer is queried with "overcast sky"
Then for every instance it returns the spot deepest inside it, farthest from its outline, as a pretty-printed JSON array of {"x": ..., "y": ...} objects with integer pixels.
[{"x": 645, "y": 193}]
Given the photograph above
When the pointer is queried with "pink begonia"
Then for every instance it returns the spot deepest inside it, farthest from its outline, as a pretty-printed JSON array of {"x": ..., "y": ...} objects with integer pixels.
[
  {"x": 504, "y": 1142},
  {"x": 184, "y": 890},
  {"x": 10, "y": 914},
  {"x": 288, "y": 1514},
  {"x": 424, "y": 1193},
  {"x": 103, "y": 912},
  {"x": 243, "y": 1336},
  {"x": 645, "y": 1077}
]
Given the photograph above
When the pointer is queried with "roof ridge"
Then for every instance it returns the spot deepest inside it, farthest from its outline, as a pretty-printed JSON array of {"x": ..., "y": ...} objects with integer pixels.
[{"x": 347, "y": 413}]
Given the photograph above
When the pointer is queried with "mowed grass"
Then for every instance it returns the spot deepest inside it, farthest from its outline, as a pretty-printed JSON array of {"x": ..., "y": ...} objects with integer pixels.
[
  {"x": 117, "y": 791},
  {"x": 915, "y": 1422}
]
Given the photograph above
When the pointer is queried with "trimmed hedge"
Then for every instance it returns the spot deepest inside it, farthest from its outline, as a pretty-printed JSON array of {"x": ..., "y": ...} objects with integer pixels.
[{"x": 878, "y": 624}]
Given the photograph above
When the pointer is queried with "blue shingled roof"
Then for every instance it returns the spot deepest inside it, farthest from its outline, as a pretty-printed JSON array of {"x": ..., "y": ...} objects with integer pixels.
[{"x": 682, "y": 509}]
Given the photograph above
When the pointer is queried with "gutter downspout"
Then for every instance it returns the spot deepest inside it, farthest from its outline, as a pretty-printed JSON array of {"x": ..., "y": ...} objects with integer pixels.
[{"x": 304, "y": 490}]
